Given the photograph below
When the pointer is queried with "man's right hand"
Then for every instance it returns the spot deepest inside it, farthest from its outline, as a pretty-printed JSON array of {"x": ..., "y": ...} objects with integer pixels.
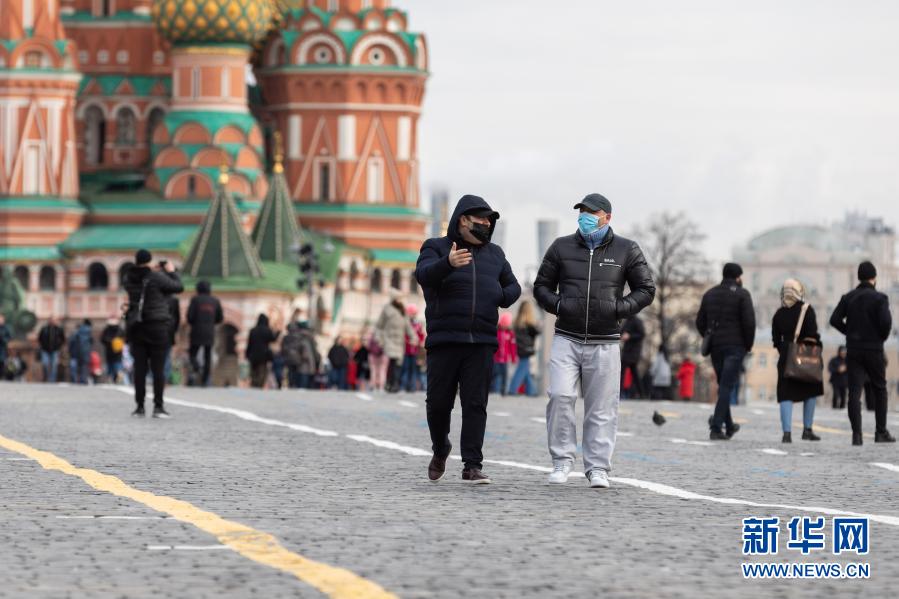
[{"x": 459, "y": 258}]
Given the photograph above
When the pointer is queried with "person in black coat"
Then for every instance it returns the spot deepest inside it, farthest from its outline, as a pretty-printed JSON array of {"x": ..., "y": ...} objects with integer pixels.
[
  {"x": 51, "y": 339},
  {"x": 632, "y": 334},
  {"x": 783, "y": 330},
  {"x": 339, "y": 358},
  {"x": 863, "y": 315},
  {"x": 203, "y": 314},
  {"x": 839, "y": 378},
  {"x": 259, "y": 352},
  {"x": 149, "y": 326},
  {"x": 465, "y": 280},
  {"x": 727, "y": 316}
]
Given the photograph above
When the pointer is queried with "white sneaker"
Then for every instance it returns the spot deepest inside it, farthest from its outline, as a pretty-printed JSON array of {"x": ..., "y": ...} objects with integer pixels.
[
  {"x": 559, "y": 475},
  {"x": 599, "y": 479}
]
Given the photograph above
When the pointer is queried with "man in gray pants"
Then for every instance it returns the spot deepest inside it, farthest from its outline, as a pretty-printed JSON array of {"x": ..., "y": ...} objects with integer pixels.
[{"x": 581, "y": 281}]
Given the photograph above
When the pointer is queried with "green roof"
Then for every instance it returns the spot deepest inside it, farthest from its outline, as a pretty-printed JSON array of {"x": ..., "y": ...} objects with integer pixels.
[
  {"x": 30, "y": 203},
  {"x": 404, "y": 256},
  {"x": 276, "y": 231},
  {"x": 142, "y": 84},
  {"x": 212, "y": 120},
  {"x": 26, "y": 253},
  {"x": 129, "y": 237},
  {"x": 368, "y": 210},
  {"x": 275, "y": 277},
  {"x": 120, "y": 15},
  {"x": 222, "y": 249}
]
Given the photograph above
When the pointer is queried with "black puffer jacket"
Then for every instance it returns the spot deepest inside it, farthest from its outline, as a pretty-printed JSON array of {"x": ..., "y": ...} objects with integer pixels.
[
  {"x": 258, "y": 344},
  {"x": 462, "y": 303},
  {"x": 584, "y": 288},
  {"x": 727, "y": 311},
  {"x": 203, "y": 313},
  {"x": 160, "y": 285},
  {"x": 863, "y": 315}
]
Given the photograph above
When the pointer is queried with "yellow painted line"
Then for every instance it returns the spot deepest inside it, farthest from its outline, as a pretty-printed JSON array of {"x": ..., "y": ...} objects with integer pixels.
[
  {"x": 838, "y": 431},
  {"x": 670, "y": 414},
  {"x": 253, "y": 544}
]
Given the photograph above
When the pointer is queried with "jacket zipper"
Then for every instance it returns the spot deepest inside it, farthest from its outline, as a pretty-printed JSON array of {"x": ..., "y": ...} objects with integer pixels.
[
  {"x": 474, "y": 295},
  {"x": 587, "y": 314}
]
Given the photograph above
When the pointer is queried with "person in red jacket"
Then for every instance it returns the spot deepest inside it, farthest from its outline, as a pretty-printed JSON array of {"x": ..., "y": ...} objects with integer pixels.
[
  {"x": 506, "y": 353},
  {"x": 685, "y": 375}
]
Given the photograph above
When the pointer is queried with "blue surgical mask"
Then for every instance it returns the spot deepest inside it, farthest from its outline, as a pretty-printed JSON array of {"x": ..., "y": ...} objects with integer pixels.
[{"x": 587, "y": 223}]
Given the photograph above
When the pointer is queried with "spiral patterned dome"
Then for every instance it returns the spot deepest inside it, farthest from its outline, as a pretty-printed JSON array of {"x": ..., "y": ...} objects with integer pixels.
[{"x": 203, "y": 21}]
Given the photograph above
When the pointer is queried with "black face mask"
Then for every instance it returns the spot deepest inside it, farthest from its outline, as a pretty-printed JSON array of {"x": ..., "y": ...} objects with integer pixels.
[{"x": 480, "y": 231}]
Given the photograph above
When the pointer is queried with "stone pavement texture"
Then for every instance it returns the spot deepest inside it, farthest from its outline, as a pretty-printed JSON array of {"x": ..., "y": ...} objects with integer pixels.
[{"x": 369, "y": 509}]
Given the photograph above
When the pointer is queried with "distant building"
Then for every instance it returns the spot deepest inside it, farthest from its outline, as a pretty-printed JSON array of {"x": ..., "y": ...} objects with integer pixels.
[
  {"x": 439, "y": 212},
  {"x": 547, "y": 231}
]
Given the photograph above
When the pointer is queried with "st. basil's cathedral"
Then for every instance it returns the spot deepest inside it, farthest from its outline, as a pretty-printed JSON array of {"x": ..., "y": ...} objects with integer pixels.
[{"x": 222, "y": 135}]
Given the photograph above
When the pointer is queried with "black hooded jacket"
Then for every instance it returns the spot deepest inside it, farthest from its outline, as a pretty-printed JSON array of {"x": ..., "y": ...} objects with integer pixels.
[
  {"x": 863, "y": 315},
  {"x": 726, "y": 311},
  {"x": 203, "y": 313},
  {"x": 462, "y": 303},
  {"x": 584, "y": 288},
  {"x": 261, "y": 336}
]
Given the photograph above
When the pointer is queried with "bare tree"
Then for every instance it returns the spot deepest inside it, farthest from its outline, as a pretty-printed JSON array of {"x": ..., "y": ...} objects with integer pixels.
[{"x": 671, "y": 243}]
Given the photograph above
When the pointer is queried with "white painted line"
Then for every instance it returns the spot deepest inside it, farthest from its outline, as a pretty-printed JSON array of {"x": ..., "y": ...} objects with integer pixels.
[
  {"x": 539, "y": 419},
  {"x": 187, "y": 547},
  {"x": 687, "y": 442},
  {"x": 758, "y": 412},
  {"x": 806, "y": 454},
  {"x": 407, "y": 404},
  {"x": 770, "y": 451},
  {"x": 18, "y": 459},
  {"x": 886, "y": 466},
  {"x": 245, "y": 415},
  {"x": 703, "y": 406},
  {"x": 623, "y": 434},
  {"x": 501, "y": 414},
  {"x": 653, "y": 487},
  {"x": 365, "y": 397},
  {"x": 114, "y": 517}
]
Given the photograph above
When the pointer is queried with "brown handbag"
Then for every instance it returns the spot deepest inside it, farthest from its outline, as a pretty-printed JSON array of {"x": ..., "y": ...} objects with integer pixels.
[{"x": 804, "y": 360}]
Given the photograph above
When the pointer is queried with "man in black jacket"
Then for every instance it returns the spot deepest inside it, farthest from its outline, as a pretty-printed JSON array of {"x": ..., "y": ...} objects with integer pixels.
[
  {"x": 203, "y": 313},
  {"x": 465, "y": 279},
  {"x": 632, "y": 334},
  {"x": 149, "y": 326},
  {"x": 581, "y": 281},
  {"x": 51, "y": 338},
  {"x": 727, "y": 316},
  {"x": 839, "y": 378},
  {"x": 863, "y": 315}
]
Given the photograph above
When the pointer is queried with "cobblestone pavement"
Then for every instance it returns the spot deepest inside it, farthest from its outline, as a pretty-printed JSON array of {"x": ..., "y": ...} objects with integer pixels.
[{"x": 340, "y": 478}]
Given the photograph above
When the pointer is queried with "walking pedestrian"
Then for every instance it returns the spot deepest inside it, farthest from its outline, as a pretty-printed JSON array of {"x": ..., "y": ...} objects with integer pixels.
[
  {"x": 363, "y": 373},
  {"x": 581, "y": 281},
  {"x": 377, "y": 362},
  {"x": 661, "y": 375},
  {"x": 148, "y": 326},
  {"x": 391, "y": 331},
  {"x": 203, "y": 314},
  {"x": 526, "y": 332},
  {"x": 839, "y": 378},
  {"x": 410, "y": 373},
  {"x": 112, "y": 338},
  {"x": 726, "y": 321},
  {"x": 506, "y": 353},
  {"x": 632, "y": 334},
  {"x": 5, "y": 338},
  {"x": 465, "y": 280},
  {"x": 80, "y": 348},
  {"x": 795, "y": 321},
  {"x": 863, "y": 315},
  {"x": 51, "y": 338},
  {"x": 685, "y": 378},
  {"x": 339, "y": 358},
  {"x": 259, "y": 351}
]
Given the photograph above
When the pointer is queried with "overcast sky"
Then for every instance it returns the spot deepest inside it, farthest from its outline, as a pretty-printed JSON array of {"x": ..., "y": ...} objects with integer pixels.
[{"x": 744, "y": 114}]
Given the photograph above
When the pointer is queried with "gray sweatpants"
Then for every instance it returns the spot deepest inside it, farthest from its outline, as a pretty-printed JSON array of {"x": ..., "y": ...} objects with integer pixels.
[{"x": 597, "y": 368}]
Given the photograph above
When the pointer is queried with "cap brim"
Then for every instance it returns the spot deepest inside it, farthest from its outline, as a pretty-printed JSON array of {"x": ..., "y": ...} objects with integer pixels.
[{"x": 483, "y": 212}]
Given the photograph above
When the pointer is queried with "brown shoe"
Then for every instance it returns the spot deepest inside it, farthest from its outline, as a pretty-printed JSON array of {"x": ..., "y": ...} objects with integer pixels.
[
  {"x": 437, "y": 467},
  {"x": 475, "y": 477}
]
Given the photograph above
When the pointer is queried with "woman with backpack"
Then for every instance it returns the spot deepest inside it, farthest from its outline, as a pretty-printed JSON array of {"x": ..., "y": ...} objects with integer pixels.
[
  {"x": 795, "y": 321},
  {"x": 148, "y": 326}
]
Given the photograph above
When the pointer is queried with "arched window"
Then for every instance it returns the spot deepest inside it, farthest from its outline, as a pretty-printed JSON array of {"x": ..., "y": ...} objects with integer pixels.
[
  {"x": 125, "y": 127},
  {"x": 413, "y": 283},
  {"x": 156, "y": 116},
  {"x": 123, "y": 273},
  {"x": 21, "y": 273},
  {"x": 47, "y": 279},
  {"x": 395, "y": 278},
  {"x": 97, "y": 277},
  {"x": 375, "y": 285},
  {"x": 94, "y": 135}
]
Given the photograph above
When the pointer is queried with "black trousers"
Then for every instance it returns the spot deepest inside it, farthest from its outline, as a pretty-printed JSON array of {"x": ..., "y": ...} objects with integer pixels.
[
  {"x": 870, "y": 365},
  {"x": 394, "y": 370},
  {"x": 152, "y": 358},
  {"x": 468, "y": 369},
  {"x": 839, "y": 396},
  {"x": 636, "y": 382},
  {"x": 728, "y": 363},
  {"x": 207, "y": 361}
]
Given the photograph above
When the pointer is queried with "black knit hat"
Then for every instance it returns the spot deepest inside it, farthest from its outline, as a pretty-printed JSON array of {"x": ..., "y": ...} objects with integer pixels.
[
  {"x": 142, "y": 257},
  {"x": 866, "y": 271},
  {"x": 732, "y": 270}
]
